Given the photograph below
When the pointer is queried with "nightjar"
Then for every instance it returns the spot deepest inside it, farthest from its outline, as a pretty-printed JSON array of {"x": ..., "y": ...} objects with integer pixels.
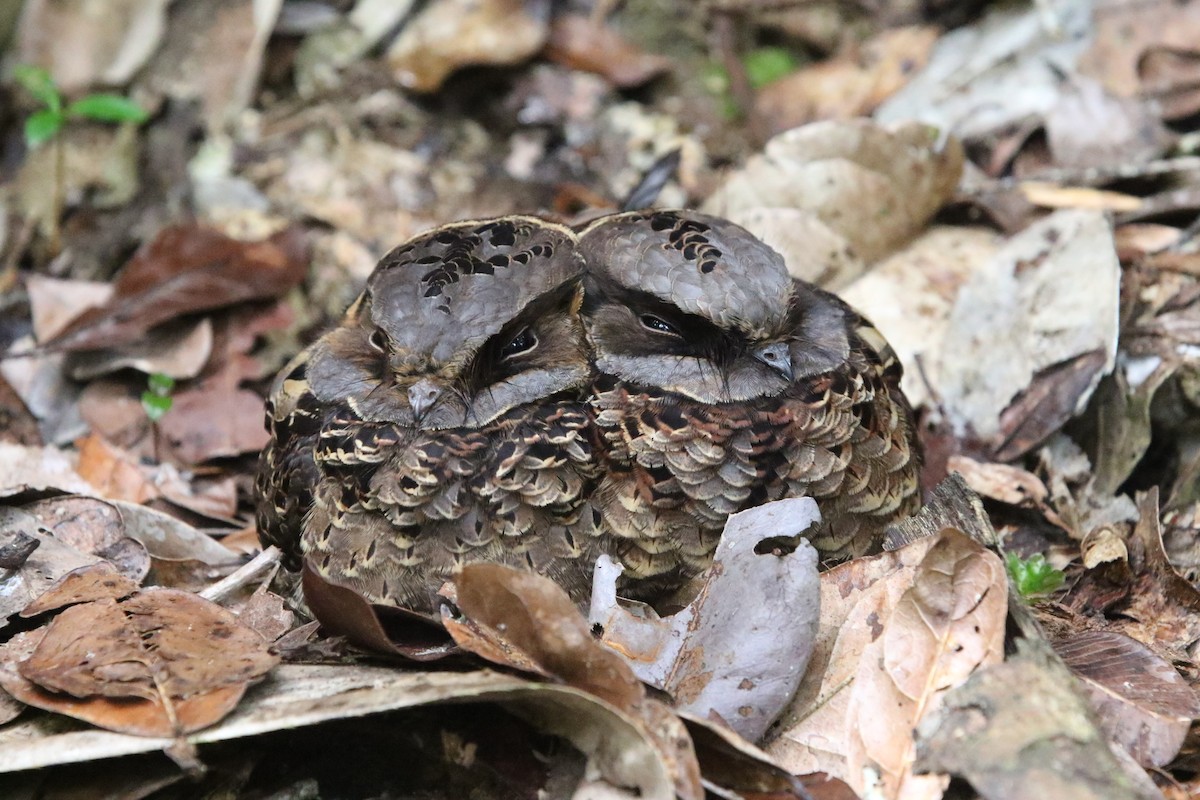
[
  {"x": 442, "y": 421},
  {"x": 724, "y": 384}
]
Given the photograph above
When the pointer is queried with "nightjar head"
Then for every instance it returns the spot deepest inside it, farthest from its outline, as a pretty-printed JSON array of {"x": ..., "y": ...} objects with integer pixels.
[
  {"x": 458, "y": 326},
  {"x": 694, "y": 304}
]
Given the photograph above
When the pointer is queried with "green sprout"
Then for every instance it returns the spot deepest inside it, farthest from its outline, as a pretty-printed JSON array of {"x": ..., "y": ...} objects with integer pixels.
[
  {"x": 45, "y": 123},
  {"x": 1034, "y": 577},
  {"x": 156, "y": 400},
  {"x": 766, "y": 64}
]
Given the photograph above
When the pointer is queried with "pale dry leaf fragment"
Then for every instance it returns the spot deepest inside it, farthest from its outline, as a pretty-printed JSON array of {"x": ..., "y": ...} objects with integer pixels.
[
  {"x": 1002, "y": 482},
  {"x": 82, "y": 585},
  {"x": 170, "y": 539},
  {"x": 1050, "y": 295},
  {"x": 948, "y": 624},
  {"x": 54, "y": 302},
  {"x": 908, "y": 296},
  {"x": 1142, "y": 702},
  {"x": 856, "y": 598},
  {"x": 90, "y": 42},
  {"x": 996, "y": 72},
  {"x": 1020, "y": 729},
  {"x": 212, "y": 52},
  {"x": 726, "y": 653},
  {"x": 37, "y": 469},
  {"x": 44, "y": 565},
  {"x": 446, "y": 36},
  {"x": 872, "y": 187}
]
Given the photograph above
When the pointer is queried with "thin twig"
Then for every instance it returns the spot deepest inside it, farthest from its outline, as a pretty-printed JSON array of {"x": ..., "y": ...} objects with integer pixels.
[{"x": 243, "y": 575}]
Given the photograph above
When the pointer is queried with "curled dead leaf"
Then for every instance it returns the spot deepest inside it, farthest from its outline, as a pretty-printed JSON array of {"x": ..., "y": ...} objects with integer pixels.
[
  {"x": 871, "y": 187},
  {"x": 1143, "y": 703},
  {"x": 184, "y": 270},
  {"x": 580, "y": 42},
  {"x": 446, "y": 36},
  {"x": 534, "y": 615}
]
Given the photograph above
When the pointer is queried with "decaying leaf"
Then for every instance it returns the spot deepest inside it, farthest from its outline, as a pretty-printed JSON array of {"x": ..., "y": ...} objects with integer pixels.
[
  {"x": 996, "y": 72},
  {"x": 186, "y": 661},
  {"x": 897, "y": 632},
  {"x": 1049, "y": 295},
  {"x": 534, "y": 615},
  {"x": 726, "y": 653},
  {"x": 1020, "y": 729},
  {"x": 864, "y": 188},
  {"x": 170, "y": 539},
  {"x": 579, "y": 42},
  {"x": 852, "y": 84},
  {"x": 83, "y": 585},
  {"x": 1142, "y": 702},
  {"x": 457, "y": 33},
  {"x": 83, "y": 50},
  {"x": 39, "y": 570},
  {"x": 37, "y": 469},
  {"x": 185, "y": 270},
  {"x": 909, "y": 296},
  {"x": 381, "y": 629}
]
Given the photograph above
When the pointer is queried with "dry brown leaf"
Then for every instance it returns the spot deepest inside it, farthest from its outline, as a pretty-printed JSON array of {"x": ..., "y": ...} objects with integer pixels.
[
  {"x": 1002, "y": 482},
  {"x": 1125, "y": 33},
  {"x": 212, "y": 53},
  {"x": 381, "y": 629},
  {"x": 897, "y": 631},
  {"x": 82, "y": 585},
  {"x": 115, "y": 474},
  {"x": 195, "y": 435},
  {"x": 1163, "y": 610},
  {"x": 158, "y": 642},
  {"x": 535, "y": 616},
  {"x": 872, "y": 187},
  {"x": 1143, "y": 703},
  {"x": 1172, "y": 76},
  {"x": 945, "y": 627},
  {"x": 17, "y": 423},
  {"x": 452, "y": 34},
  {"x": 578, "y": 41},
  {"x": 851, "y": 84},
  {"x": 266, "y": 615},
  {"x": 185, "y": 270}
]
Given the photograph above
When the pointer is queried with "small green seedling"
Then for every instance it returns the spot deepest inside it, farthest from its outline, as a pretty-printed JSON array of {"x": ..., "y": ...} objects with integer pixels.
[
  {"x": 45, "y": 123},
  {"x": 766, "y": 64},
  {"x": 156, "y": 400},
  {"x": 1034, "y": 577}
]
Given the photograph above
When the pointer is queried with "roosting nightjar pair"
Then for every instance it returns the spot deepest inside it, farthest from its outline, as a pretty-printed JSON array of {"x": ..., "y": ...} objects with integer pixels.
[{"x": 522, "y": 392}]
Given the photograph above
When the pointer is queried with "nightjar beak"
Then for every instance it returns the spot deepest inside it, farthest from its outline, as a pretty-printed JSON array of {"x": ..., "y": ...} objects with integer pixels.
[
  {"x": 423, "y": 395},
  {"x": 777, "y": 356}
]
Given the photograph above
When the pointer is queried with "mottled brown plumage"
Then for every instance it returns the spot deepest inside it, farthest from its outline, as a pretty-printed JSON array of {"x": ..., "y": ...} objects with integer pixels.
[
  {"x": 441, "y": 422},
  {"x": 725, "y": 384}
]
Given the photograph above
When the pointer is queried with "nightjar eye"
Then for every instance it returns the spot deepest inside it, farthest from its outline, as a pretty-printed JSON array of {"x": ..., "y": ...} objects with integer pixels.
[
  {"x": 523, "y": 342},
  {"x": 378, "y": 340},
  {"x": 659, "y": 325}
]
